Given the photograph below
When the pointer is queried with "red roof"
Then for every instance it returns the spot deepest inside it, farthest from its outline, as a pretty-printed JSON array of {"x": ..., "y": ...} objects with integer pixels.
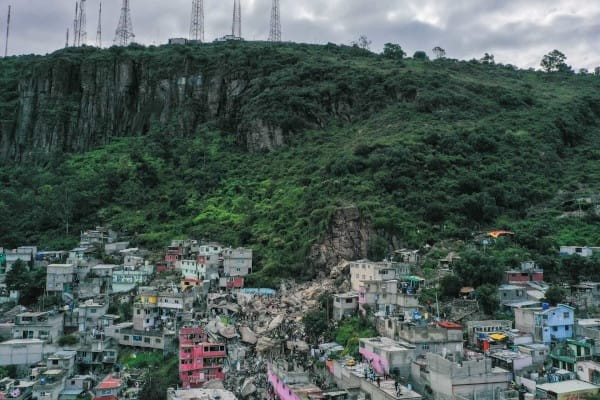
[
  {"x": 110, "y": 383},
  {"x": 449, "y": 325}
]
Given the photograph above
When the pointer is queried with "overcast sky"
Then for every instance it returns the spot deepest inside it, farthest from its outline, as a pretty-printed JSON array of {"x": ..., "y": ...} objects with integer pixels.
[{"x": 517, "y": 32}]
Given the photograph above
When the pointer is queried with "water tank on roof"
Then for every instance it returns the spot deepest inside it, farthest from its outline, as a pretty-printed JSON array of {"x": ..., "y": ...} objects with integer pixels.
[{"x": 545, "y": 306}]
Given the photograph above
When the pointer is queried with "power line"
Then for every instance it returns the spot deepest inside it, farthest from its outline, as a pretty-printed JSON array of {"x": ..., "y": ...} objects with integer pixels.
[
  {"x": 197, "y": 23},
  {"x": 275, "y": 31},
  {"x": 236, "y": 28},
  {"x": 124, "y": 31}
]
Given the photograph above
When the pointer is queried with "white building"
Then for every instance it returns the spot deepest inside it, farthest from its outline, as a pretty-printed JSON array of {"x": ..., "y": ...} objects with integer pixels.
[
  {"x": 59, "y": 277},
  {"x": 365, "y": 270},
  {"x": 22, "y": 352},
  {"x": 237, "y": 262}
]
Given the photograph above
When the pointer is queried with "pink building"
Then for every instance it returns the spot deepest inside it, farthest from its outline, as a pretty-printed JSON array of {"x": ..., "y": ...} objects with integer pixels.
[
  {"x": 199, "y": 361},
  {"x": 291, "y": 385}
]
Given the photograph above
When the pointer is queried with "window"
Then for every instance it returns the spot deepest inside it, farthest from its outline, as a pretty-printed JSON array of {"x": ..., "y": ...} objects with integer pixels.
[
  {"x": 554, "y": 328},
  {"x": 567, "y": 327},
  {"x": 567, "y": 315},
  {"x": 126, "y": 337},
  {"x": 54, "y": 362},
  {"x": 349, "y": 300},
  {"x": 425, "y": 347},
  {"x": 157, "y": 340},
  {"x": 147, "y": 340},
  {"x": 93, "y": 311}
]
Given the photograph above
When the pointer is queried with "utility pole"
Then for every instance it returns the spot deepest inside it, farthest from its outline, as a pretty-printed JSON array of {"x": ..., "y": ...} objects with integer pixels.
[
  {"x": 124, "y": 32},
  {"x": 197, "y": 24},
  {"x": 7, "y": 33},
  {"x": 275, "y": 31},
  {"x": 99, "y": 30},
  {"x": 236, "y": 28}
]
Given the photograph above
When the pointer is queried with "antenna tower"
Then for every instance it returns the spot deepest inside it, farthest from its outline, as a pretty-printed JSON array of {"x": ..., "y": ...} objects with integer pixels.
[
  {"x": 79, "y": 24},
  {"x": 7, "y": 33},
  {"x": 275, "y": 31},
  {"x": 124, "y": 31},
  {"x": 236, "y": 28},
  {"x": 82, "y": 39},
  {"x": 99, "y": 30},
  {"x": 76, "y": 24},
  {"x": 67, "y": 42},
  {"x": 197, "y": 24}
]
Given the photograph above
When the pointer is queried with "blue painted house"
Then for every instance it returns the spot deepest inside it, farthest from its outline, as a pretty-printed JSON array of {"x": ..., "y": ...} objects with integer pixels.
[{"x": 553, "y": 324}]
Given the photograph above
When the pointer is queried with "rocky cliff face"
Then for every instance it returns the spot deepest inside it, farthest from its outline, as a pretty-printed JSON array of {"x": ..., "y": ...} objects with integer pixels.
[
  {"x": 347, "y": 238},
  {"x": 76, "y": 106},
  {"x": 77, "y": 99}
]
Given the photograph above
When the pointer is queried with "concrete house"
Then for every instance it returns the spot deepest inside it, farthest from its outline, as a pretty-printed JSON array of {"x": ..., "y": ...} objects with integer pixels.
[
  {"x": 22, "y": 351},
  {"x": 438, "y": 338},
  {"x": 365, "y": 270},
  {"x": 59, "y": 278},
  {"x": 237, "y": 262},
  {"x": 64, "y": 360},
  {"x": 344, "y": 304},
  {"x": 547, "y": 324},
  {"x": 109, "y": 389},
  {"x": 89, "y": 313},
  {"x": 510, "y": 294},
  {"x": 588, "y": 371},
  {"x": 192, "y": 269},
  {"x": 527, "y": 273},
  {"x": 567, "y": 354},
  {"x": 386, "y": 355},
  {"x": 50, "y": 384},
  {"x": 477, "y": 329},
  {"x": 46, "y": 326},
  {"x": 454, "y": 377},
  {"x": 388, "y": 297},
  {"x": 582, "y": 251}
]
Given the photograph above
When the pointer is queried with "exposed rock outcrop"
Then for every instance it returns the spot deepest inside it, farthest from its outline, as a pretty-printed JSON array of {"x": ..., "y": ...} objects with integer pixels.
[
  {"x": 347, "y": 238},
  {"x": 78, "y": 99}
]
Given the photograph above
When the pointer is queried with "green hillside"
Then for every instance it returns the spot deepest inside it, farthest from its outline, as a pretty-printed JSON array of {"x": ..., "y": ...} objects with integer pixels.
[{"x": 427, "y": 150}]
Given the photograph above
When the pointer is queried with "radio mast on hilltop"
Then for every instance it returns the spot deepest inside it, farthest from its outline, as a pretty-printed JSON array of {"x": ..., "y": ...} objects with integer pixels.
[
  {"x": 275, "y": 31},
  {"x": 79, "y": 27},
  {"x": 125, "y": 28},
  {"x": 236, "y": 28},
  {"x": 197, "y": 24},
  {"x": 99, "y": 30},
  {"x": 7, "y": 33}
]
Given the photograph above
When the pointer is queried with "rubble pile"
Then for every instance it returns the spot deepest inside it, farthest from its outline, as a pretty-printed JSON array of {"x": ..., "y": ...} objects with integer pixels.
[{"x": 262, "y": 327}]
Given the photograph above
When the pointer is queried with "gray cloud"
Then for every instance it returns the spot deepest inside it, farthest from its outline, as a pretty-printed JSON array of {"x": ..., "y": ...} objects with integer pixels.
[{"x": 515, "y": 31}]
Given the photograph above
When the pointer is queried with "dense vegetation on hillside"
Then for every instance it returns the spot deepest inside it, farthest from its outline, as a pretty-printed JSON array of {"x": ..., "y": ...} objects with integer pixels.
[{"x": 427, "y": 150}]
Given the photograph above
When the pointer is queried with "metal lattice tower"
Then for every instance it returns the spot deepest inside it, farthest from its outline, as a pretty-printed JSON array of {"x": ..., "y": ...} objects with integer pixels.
[
  {"x": 124, "y": 31},
  {"x": 76, "y": 24},
  {"x": 275, "y": 31},
  {"x": 99, "y": 30},
  {"x": 197, "y": 23},
  {"x": 7, "y": 33},
  {"x": 236, "y": 28},
  {"x": 80, "y": 24}
]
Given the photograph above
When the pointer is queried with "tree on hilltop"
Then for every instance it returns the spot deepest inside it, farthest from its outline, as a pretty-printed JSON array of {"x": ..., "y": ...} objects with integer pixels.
[{"x": 555, "y": 62}]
